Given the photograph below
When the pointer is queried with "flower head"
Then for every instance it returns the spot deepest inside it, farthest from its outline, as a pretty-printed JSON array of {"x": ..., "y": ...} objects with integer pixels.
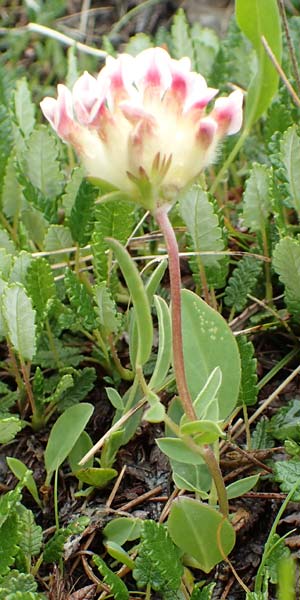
[{"x": 142, "y": 124}]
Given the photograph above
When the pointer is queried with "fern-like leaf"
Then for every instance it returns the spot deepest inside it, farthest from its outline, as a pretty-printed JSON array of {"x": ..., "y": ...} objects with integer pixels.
[
  {"x": 113, "y": 219},
  {"x": 248, "y": 389},
  {"x": 290, "y": 156},
  {"x": 83, "y": 383},
  {"x": 117, "y": 586},
  {"x": 257, "y": 198},
  {"x": 181, "y": 39},
  {"x": 286, "y": 262},
  {"x": 42, "y": 166},
  {"x": 242, "y": 282},
  {"x": 54, "y": 548},
  {"x": 23, "y": 108},
  {"x": 81, "y": 221},
  {"x": 71, "y": 190},
  {"x": 32, "y": 534},
  {"x": 10, "y": 535},
  {"x": 15, "y": 581},
  {"x": 158, "y": 562},
  {"x": 40, "y": 286},
  {"x": 80, "y": 301},
  {"x": 204, "y": 593},
  {"x": 106, "y": 308}
]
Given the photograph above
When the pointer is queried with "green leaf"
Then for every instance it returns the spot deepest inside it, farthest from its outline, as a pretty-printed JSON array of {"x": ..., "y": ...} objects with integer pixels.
[
  {"x": 15, "y": 581},
  {"x": 20, "y": 320},
  {"x": 249, "y": 388},
  {"x": 208, "y": 343},
  {"x": 204, "y": 431},
  {"x": 286, "y": 262},
  {"x": 290, "y": 156},
  {"x": 202, "y": 224},
  {"x": 81, "y": 447},
  {"x": 242, "y": 282},
  {"x": 64, "y": 434},
  {"x": 12, "y": 198},
  {"x": 9, "y": 427},
  {"x": 42, "y": 165},
  {"x": 119, "y": 554},
  {"x": 176, "y": 449},
  {"x": 206, "y": 402},
  {"x": 54, "y": 547},
  {"x": 139, "y": 299},
  {"x": 279, "y": 551},
  {"x": 80, "y": 300},
  {"x": 242, "y": 486},
  {"x": 113, "y": 219},
  {"x": 19, "y": 268},
  {"x": 285, "y": 424},
  {"x": 106, "y": 308},
  {"x": 8, "y": 503},
  {"x": 117, "y": 586},
  {"x": 287, "y": 473},
  {"x": 257, "y": 198},
  {"x": 72, "y": 189},
  {"x": 81, "y": 221},
  {"x": 83, "y": 383},
  {"x": 58, "y": 238},
  {"x": 97, "y": 477},
  {"x": 181, "y": 39},
  {"x": 123, "y": 529},
  {"x": 200, "y": 531},
  {"x": 32, "y": 534},
  {"x": 115, "y": 398},
  {"x": 24, "y": 109},
  {"x": 9, "y": 538},
  {"x": 157, "y": 563},
  {"x": 258, "y": 18},
  {"x": 40, "y": 286},
  {"x": 164, "y": 355},
  {"x": 194, "y": 478},
  {"x": 22, "y": 472},
  {"x": 205, "y": 593},
  {"x": 206, "y": 44}
]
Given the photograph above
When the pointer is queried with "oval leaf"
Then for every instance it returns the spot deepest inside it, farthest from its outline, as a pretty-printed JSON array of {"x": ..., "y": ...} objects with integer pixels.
[
  {"x": 208, "y": 342},
  {"x": 238, "y": 488},
  {"x": 200, "y": 531},
  {"x": 64, "y": 435},
  {"x": 19, "y": 317},
  {"x": 176, "y": 449},
  {"x": 96, "y": 477}
]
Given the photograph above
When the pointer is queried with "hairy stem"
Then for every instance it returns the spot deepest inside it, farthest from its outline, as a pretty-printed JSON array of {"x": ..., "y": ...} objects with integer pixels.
[{"x": 163, "y": 221}]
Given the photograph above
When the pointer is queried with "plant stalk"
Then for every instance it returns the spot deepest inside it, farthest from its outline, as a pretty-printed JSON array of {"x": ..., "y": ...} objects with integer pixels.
[{"x": 161, "y": 216}]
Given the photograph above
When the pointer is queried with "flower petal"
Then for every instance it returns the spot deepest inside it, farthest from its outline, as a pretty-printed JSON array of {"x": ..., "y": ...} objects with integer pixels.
[{"x": 228, "y": 113}]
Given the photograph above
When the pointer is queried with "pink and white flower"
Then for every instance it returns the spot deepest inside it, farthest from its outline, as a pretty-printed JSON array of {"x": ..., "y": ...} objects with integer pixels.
[{"x": 143, "y": 119}]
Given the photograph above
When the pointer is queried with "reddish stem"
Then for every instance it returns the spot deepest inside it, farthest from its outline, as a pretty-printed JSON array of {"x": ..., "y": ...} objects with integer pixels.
[{"x": 161, "y": 216}]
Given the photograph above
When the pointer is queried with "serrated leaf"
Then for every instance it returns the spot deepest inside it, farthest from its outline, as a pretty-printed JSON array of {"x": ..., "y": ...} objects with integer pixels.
[
  {"x": 242, "y": 282},
  {"x": 279, "y": 551},
  {"x": 58, "y": 238},
  {"x": 204, "y": 593},
  {"x": 285, "y": 423},
  {"x": 24, "y": 109},
  {"x": 106, "y": 308},
  {"x": 287, "y": 473},
  {"x": 261, "y": 437},
  {"x": 5, "y": 263},
  {"x": 248, "y": 389},
  {"x": 42, "y": 165},
  {"x": 202, "y": 224},
  {"x": 286, "y": 262},
  {"x": 15, "y": 581},
  {"x": 9, "y": 537},
  {"x": 20, "y": 320},
  {"x": 32, "y": 534},
  {"x": 64, "y": 384},
  {"x": 117, "y": 586},
  {"x": 9, "y": 427},
  {"x": 72, "y": 189},
  {"x": 80, "y": 300},
  {"x": 8, "y": 503},
  {"x": 158, "y": 563},
  {"x": 259, "y": 18},
  {"x": 257, "y": 198},
  {"x": 206, "y": 45},
  {"x": 181, "y": 38},
  {"x": 19, "y": 268},
  {"x": 81, "y": 221},
  {"x": 6, "y": 243},
  {"x": 113, "y": 219},
  {"x": 54, "y": 547},
  {"x": 290, "y": 156},
  {"x": 83, "y": 383},
  {"x": 12, "y": 197},
  {"x": 40, "y": 285}
]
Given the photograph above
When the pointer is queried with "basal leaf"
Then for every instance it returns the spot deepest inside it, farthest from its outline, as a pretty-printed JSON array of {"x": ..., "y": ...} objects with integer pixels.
[
  {"x": 32, "y": 534},
  {"x": 117, "y": 586},
  {"x": 20, "y": 320},
  {"x": 54, "y": 548},
  {"x": 24, "y": 109},
  {"x": 181, "y": 38},
  {"x": 290, "y": 156},
  {"x": 176, "y": 449},
  {"x": 123, "y": 529},
  {"x": 40, "y": 285},
  {"x": 158, "y": 563},
  {"x": 242, "y": 486},
  {"x": 9, "y": 427},
  {"x": 81, "y": 220},
  {"x": 96, "y": 476},
  {"x": 164, "y": 355},
  {"x": 242, "y": 282},
  {"x": 287, "y": 473},
  {"x": 19, "y": 268},
  {"x": 286, "y": 262},
  {"x": 9, "y": 537},
  {"x": 257, "y": 198},
  {"x": 258, "y": 18},
  {"x": 113, "y": 219},
  {"x": 12, "y": 197},
  {"x": 64, "y": 434},
  {"x": 209, "y": 343},
  {"x": 81, "y": 301},
  {"x": 83, "y": 383},
  {"x": 72, "y": 189},
  {"x": 58, "y": 238},
  {"x": 106, "y": 308},
  {"x": 248, "y": 389},
  {"x": 21, "y": 471},
  {"x": 203, "y": 593},
  {"x": 42, "y": 166},
  {"x": 200, "y": 531}
]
